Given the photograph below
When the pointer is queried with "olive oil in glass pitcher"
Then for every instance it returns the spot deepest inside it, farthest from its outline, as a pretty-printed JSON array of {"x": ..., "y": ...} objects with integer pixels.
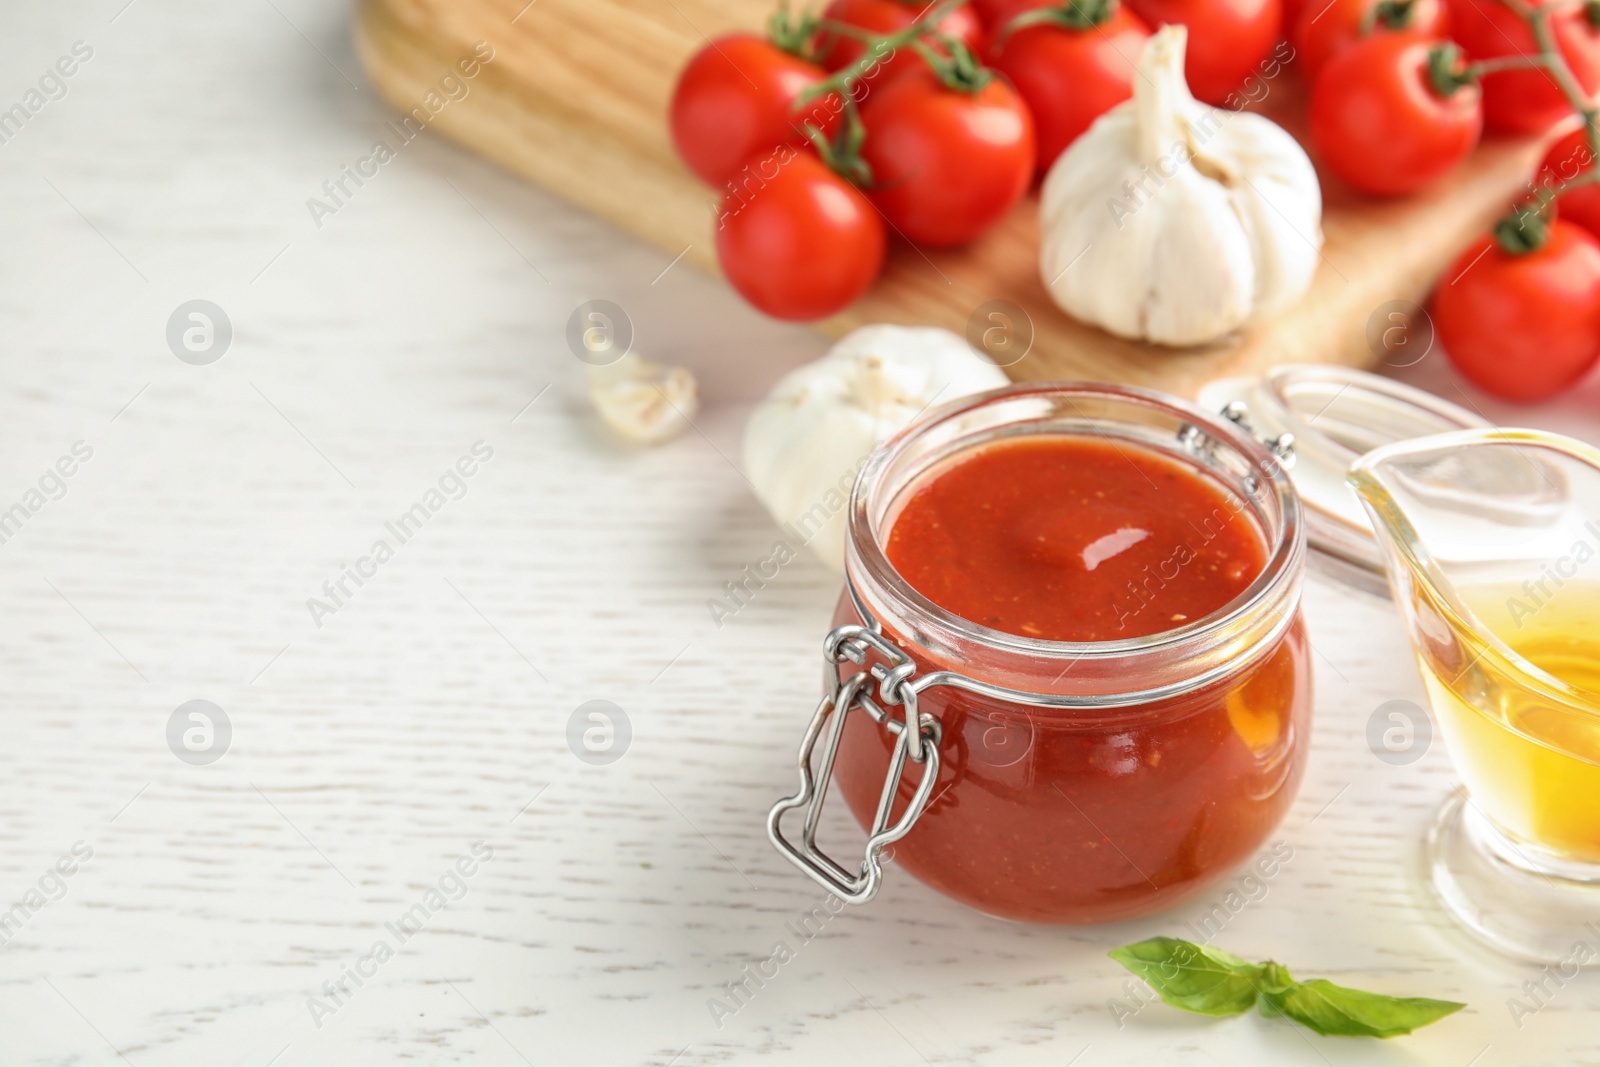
[{"x": 1492, "y": 544}]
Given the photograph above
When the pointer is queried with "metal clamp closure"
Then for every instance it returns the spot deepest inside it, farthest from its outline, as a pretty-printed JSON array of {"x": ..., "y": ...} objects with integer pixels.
[
  {"x": 1282, "y": 446},
  {"x": 916, "y": 738}
]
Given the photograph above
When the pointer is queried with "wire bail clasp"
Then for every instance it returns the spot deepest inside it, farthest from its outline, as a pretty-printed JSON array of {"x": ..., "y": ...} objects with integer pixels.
[{"x": 917, "y": 737}]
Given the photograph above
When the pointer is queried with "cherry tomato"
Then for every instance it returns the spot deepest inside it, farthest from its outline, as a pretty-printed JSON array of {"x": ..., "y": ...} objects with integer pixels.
[
  {"x": 946, "y": 164},
  {"x": 736, "y": 97},
  {"x": 1569, "y": 157},
  {"x": 1379, "y": 123},
  {"x": 1228, "y": 39},
  {"x": 1525, "y": 101},
  {"x": 1322, "y": 32},
  {"x": 1292, "y": 10},
  {"x": 795, "y": 239},
  {"x": 1523, "y": 327},
  {"x": 1070, "y": 77},
  {"x": 993, "y": 14},
  {"x": 888, "y": 16}
]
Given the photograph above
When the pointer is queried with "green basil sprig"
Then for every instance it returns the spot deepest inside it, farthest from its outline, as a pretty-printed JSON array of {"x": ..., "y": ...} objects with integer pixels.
[{"x": 1209, "y": 981}]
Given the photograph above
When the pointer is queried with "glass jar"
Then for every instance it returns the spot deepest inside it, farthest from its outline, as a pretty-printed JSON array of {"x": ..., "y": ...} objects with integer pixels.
[{"x": 1059, "y": 782}]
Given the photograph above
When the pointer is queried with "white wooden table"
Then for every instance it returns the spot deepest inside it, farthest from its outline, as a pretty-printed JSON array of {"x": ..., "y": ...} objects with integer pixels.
[{"x": 224, "y": 900}]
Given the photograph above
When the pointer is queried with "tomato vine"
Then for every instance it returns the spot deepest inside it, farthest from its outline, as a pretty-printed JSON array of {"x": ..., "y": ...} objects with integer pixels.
[
  {"x": 1527, "y": 228},
  {"x": 959, "y": 70},
  {"x": 1072, "y": 15}
]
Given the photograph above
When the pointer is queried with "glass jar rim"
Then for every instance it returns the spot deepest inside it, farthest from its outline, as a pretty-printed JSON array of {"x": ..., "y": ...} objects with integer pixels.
[{"x": 866, "y": 557}]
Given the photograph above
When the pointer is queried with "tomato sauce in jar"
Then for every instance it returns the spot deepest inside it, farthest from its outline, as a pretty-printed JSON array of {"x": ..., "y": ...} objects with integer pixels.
[
  {"x": 1099, "y": 589},
  {"x": 1074, "y": 538}
]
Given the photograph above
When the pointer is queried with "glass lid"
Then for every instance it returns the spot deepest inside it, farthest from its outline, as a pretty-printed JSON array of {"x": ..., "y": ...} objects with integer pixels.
[{"x": 1335, "y": 415}]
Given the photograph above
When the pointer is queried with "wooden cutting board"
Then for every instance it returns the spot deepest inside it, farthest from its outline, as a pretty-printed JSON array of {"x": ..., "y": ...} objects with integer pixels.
[{"x": 575, "y": 99}]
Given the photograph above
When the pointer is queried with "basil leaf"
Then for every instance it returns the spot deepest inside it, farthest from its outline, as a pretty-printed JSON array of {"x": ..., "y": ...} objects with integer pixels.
[
  {"x": 1275, "y": 978},
  {"x": 1330, "y": 1009},
  {"x": 1193, "y": 977},
  {"x": 1209, "y": 981}
]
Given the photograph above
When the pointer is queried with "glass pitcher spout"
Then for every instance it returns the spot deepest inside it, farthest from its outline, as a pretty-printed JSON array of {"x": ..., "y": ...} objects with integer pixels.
[
  {"x": 1482, "y": 532},
  {"x": 1491, "y": 539}
]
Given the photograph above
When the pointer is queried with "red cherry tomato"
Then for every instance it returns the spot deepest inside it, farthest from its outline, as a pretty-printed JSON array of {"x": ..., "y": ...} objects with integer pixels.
[
  {"x": 1525, "y": 101},
  {"x": 795, "y": 239},
  {"x": 1378, "y": 122},
  {"x": 1523, "y": 327},
  {"x": 994, "y": 14},
  {"x": 1292, "y": 10},
  {"x": 1568, "y": 157},
  {"x": 736, "y": 98},
  {"x": 888, "y": 16},
  {"x": 1322, "y": 32},
  {"x": 946, "y": 165},
  {"x": 1228, "y": 39},
  {"x": 1070, "y": 77}
]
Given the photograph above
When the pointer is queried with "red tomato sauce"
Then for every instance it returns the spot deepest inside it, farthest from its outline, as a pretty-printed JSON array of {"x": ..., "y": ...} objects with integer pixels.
[
  {"x": 1062, "y": 816},
  {"x": 1074, "y": 538}
]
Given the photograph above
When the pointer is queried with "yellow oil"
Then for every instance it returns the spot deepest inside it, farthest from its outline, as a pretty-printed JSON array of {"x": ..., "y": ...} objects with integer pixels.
[{"x": 1529, "y": 757}]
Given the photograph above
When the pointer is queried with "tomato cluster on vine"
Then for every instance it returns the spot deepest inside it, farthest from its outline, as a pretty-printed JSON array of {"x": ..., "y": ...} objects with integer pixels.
[
  {"x": 831, "y": 135},
  {"x": 872, "y": 122},
  {"x": 888, "y": 120},
  {"x": 1518, "y": 311}
]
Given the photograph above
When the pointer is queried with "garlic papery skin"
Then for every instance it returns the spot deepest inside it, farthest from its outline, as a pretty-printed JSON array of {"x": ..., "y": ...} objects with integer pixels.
[
  {"x": 644, "y": 402},
  {"x": 805, "y": 443},
  {"x": 1175, "y": 222}
]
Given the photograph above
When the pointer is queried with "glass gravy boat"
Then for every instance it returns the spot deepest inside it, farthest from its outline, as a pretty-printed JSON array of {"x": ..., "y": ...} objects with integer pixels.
[{"x": 1492, "y": 543}]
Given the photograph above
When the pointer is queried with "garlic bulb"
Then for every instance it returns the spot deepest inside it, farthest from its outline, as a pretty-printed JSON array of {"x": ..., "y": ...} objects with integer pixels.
[
  {"x": 1176, "y": 222},
  {"x": 805, "y": 443},
  {"x": 643, "y": 401}
]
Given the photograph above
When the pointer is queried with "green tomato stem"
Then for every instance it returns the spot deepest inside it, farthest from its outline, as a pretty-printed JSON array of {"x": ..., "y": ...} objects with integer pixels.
[
  {"x": 959, "y": 70},
  {"x": 1501, "y": 63},
  {"x": 877, "y": 49},
  {"x": 1076, "y": 15},
  {"x": 1524, "y": 231},
  {"x": 791, "y": 35},
  {"x": 843, "y": 153},
  {"x": 1394, "y": 14},
  {"x": 1448, "y": 71}
]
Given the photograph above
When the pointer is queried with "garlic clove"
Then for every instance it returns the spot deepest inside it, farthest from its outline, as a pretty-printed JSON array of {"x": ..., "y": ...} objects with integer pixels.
[
  {"x": 644, "y": 402},
  {"x": 1282, "y": 208},
  {"x": 1192, "y": 307}
]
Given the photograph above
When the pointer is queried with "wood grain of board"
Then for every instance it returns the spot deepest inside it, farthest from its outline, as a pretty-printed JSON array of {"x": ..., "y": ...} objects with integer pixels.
[{"x": 575, "y": 99}]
